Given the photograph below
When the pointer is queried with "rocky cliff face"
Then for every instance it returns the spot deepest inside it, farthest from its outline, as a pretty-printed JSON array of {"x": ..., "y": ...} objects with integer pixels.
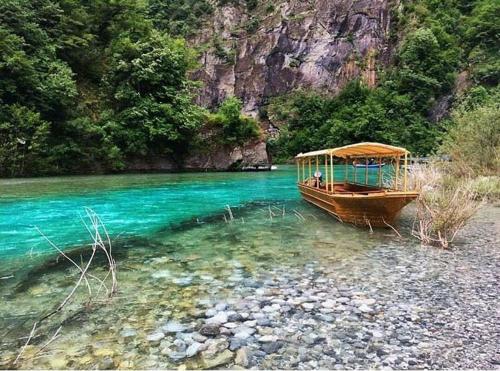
[{"x": 283, "y": 45}]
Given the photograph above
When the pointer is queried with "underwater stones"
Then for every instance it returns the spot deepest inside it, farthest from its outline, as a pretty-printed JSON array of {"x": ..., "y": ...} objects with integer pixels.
[
  {"x": 219, "y": 319},
  {"x": 155, "y": 337},
  {"x": 198, "y": 337},
  {"x": 241, "y": 358},
  {"x": 221, "y": 307},
  {"x": 328, "y": 304},
  {"x": 209, "y": 330},
  {"x": 107, "y": 363},
  {"x": 176, "y": 356},
  {"x": 128, "y": 333},
  {"x": 365, "y": 308},
  {"x": 235, "y": 317},
  {"x": 243, "y": 332},
  {"x": 161, "y": 274},
  {"x": 267, "y": 338},
  {"x": 183, "y": 281},
  {"x": 272, "y": 347},
  {"x": 211, "y": 312},
  {"x": 173, "y": 327},
  {"x": 218, "y": 360},
  {"x": 194, "y": 349},
  {"x": 236, "y": 343},
  {"x": 307, "y": 306}
]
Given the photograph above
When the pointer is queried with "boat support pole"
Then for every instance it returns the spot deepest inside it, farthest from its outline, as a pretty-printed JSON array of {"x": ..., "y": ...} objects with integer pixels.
[
  {"x": 310, "y": 175},
  {"x": 366, "y": 171},
  {"x": 317, "y": 168},
  {"x": 380, "y": 171},
  {"x": 326, "y": 172},
  {"x": 303, "y": 170},
  {"x": 396, "y": 186},
  {"x": 406, "y": 172},
  {"x": 346, "y": 171},
  {"x": 332, "y": 176},
  {"x": 298, "y": 170}
]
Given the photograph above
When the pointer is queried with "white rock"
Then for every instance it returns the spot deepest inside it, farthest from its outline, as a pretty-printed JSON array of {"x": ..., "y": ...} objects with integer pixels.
[
  {"x": 194, "y": 349},
  {"x": 268, "y": 338},
  {"x": 219, "y": 319},
  {"x": 155, "y": 337}
]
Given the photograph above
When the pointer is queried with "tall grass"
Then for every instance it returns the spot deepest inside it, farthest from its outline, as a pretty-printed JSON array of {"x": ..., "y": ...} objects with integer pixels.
[{"x": 444, "y": 205}]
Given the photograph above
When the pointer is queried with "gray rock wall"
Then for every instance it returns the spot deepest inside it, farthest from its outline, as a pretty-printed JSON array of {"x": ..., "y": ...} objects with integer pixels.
[{"x": 319, "y": 44}]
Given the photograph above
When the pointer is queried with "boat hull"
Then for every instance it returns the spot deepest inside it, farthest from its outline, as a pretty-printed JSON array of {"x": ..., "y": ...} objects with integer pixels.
[{"x": 377, "y": 209}]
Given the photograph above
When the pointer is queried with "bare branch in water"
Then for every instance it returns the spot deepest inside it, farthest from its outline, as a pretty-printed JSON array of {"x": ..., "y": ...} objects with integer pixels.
[{"x": 100, "y": 243}]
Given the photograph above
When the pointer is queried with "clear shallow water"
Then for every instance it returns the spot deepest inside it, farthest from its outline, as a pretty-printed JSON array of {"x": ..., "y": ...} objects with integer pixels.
[
  {"x": 128, "y": 204},
  {"x": 175, "y": 253}
]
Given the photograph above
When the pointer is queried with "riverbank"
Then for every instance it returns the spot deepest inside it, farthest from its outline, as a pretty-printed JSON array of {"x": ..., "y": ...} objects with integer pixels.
[{"x": 280, "y": 292}]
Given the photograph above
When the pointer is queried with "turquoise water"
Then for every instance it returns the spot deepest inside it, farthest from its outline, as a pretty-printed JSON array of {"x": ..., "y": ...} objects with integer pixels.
[{"x": 129, "y": 205}]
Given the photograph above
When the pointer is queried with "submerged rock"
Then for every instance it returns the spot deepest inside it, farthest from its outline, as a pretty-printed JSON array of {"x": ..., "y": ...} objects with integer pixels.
[{"x": 218, "y": 360}]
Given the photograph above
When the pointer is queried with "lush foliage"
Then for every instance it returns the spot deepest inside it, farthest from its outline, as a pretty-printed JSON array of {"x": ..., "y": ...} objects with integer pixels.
[
  {"x": 473, "y": 139},
  {"x": 235, "y": 127},
  {"x": 87, "y": 86},
  {"x": 441, "y": 39}
]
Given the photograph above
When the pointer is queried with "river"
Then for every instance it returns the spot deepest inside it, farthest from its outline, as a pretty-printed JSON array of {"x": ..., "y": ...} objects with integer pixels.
[{"x": 242, "y": 248}]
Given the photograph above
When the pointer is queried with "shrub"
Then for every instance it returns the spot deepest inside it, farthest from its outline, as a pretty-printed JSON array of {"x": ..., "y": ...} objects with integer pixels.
[
  {"x": 444, "y": 205},
  {"x": 236, "y": 128},
  {"x": 473, "y": 140}
]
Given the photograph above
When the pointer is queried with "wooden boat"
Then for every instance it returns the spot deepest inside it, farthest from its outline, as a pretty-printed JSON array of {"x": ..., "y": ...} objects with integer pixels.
[{"x": 354, "y": 199}]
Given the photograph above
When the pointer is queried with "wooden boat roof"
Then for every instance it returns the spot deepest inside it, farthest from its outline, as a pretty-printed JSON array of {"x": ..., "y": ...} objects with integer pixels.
[{"x": 359, "y": 150}]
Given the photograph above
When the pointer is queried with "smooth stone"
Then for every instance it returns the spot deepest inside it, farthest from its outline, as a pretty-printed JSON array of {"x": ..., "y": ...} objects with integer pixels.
[
  {"x": 236, "y": 317},
  {"x": 107, "y": 363},
  {"x": 211, "y": 312},
  {"x": 236, "y": 343},
  {"x": 173, "y": 327},
  {"x": 365, "y": 308},
  {"x": 128, "y": 333},
  {"x": 231, "y": 325},
  {"x": 155, "y": 337},
  {"x": 241, "y": 358},
  {"x": 220, "y": 359},
  {"x": 183, "y": 281},
  {"x": 198, "y": 337},
  {"x": 221, "y": 307},
  {"x": 329, "y": 304},
  {"x": 250, "y": 323},
  {"x": 194, "y": 349},
  {"x": 209, "y": 330},
  {"x": 267, "y": 338},
  {"x": 176, "y": 356},
  {"x": 219, "y": 319},
  {"x": 273, "y": 347},
  {"x": 263, "y": 322},
  {"x": 307, "y": 306}
]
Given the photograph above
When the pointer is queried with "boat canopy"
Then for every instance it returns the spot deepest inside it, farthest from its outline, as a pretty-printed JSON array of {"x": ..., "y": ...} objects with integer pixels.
[{"x": 359, "y": 150}]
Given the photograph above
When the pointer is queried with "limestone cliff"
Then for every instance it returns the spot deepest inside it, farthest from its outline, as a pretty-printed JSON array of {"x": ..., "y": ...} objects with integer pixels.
[{"x": 283, "y": 45}]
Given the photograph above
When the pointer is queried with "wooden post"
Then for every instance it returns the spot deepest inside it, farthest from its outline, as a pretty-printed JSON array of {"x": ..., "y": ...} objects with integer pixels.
[
  {"x": 380, "y": 171},
  {"x": 366, "y": 171},
  {"x": 317, "y": 168},
  {"x": 310, "y": 175},
  {"x": 405, "y": 182},
  {"x": 326, "y": 172},
  {"x": 397, "y": 173},
  {"x": 298, "y": 170},
  {"x": 355, "y": 173},
  {"x": 303, "y": 170},
  {"x": 332, "y": 174},
  {"x": 346, "y": 175}
]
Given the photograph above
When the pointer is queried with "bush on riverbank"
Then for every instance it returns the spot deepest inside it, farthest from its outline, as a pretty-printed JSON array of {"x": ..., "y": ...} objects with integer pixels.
[{"x": 444, "y": 205}]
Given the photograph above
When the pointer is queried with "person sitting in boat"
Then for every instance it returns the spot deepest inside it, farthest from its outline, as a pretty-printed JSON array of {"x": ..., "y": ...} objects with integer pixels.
[
  {"x": 371, "y": 162},
  {"x": 318, "y": 178}
]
